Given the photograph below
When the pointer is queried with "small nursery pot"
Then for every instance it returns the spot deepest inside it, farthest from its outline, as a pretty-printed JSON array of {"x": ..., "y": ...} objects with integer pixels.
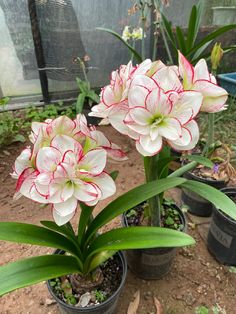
[
  {"x": 106, "y": 307},
  {"x": 155, "y": 263},
  {"x": 221, "y": 240},
  {"x": 199, "y": 206}
]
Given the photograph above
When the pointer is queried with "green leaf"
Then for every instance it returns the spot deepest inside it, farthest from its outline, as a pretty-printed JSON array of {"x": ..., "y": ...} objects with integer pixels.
[
  {"x": 97, "y": 259},
  {"x": 31, "y": 234},
  {"x": 61, "y": 229},
  {"x": 138, "y": 238},
  {"x": 181, "y": 40},
  {"x": 211, "y": 36},
  {"x": 130, "y": 200},
  {"x": 36, "y": 269},
  {"x": 114, "y": 174},
  {"x": 168, "y": 29},
  {"x": 92, "y": 95},
  {"x": 19, "y": 138},
  {"x": 192, "y": 28},
  {"x": 80, "y": 103},
  {"x": 86, "y": 213},
  {"x": 132, "y": 50},
  {"x": 179, "y": 172},
  {"x": 201, "y": 160},
  {"x": 216, "y": 197}
]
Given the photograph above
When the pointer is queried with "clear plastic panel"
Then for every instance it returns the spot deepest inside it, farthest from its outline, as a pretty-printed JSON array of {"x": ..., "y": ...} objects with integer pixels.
[
  {"x": 18, "y": 68},
  {"x": 68, "y": 30}
]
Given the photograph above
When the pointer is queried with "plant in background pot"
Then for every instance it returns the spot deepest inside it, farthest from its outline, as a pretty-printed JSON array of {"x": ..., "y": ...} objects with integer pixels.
[
  {"x": 218, "y": 153},
  {"x": 65, "y": 168},
  {"x": 221, "y": 240},
  {"x": 156, "y": 105}
]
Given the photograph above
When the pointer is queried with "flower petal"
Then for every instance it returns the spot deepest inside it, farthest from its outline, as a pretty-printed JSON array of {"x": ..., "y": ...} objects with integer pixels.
[
  {"x": 94, "y": 161},
  {"x": 170, "y": 128},
  {"x": 214, "y": 96},
  {"x": 47, "y": 159},
  {"x": 147, "y": 147},
  {"x": 140, "y": 116},
  {"x": 106, "y": 184},
  {"x": 63, "y": 212},
  {"x": 186, "y": 71}
]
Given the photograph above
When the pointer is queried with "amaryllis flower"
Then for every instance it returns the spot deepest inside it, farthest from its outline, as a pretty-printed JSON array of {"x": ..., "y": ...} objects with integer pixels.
[
  {"x": 114, "y": 103},
  {"x": 199, "y": 79},
  {"x": 67, "y": 166},
  {"x": 159, "y": 116}
]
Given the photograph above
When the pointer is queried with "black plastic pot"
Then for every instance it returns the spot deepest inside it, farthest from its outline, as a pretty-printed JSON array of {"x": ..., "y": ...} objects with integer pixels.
[
  {"x": 199, "y": 206},
  {"x": 106, "y": 307},
  {"x": 151, "y": 264},
  {"x": 221, "y": 240}
]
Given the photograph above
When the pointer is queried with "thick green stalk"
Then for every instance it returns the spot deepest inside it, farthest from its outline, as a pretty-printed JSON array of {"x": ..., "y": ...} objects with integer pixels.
[
  {"x": 210, "y": 135},
  {"x": 132, "y": 55},
  {"x": 150, "y": 166}
]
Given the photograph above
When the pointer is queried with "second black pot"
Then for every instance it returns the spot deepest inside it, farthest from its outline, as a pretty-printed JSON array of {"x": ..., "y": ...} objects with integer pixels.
[
  {"x": 221, "y": 240},
  {"x": 199, "y": 206},
  {"x": 107, "y": 307},
  {"x": 151, "y": 264}
]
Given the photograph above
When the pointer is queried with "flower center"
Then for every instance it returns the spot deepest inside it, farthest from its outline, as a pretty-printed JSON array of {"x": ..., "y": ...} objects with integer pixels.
[{"x": 157, "y": 120}]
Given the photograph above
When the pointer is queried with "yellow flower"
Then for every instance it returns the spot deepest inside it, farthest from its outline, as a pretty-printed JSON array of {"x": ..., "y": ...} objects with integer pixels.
[{"x": 216, "y": 56}]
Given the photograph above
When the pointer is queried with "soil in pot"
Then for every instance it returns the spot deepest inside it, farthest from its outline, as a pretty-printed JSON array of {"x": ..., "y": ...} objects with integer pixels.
[
  {"x": 197, "y": 205},
  {"x": 151, "y": 264},
  {"x": 221, "y": 240},
  {"x": 77, "y": 294}
]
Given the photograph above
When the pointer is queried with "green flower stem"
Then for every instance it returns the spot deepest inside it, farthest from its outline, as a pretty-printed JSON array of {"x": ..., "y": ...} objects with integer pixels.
[
  {"x": 132, "y": 55},
  {"x": 150, "y": 166}
]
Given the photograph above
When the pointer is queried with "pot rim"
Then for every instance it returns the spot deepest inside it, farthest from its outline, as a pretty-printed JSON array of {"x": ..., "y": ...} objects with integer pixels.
[
  {"x": 204, "y": 180},
  {"x": 181, "y": 214},
  {"x": 92, "y": 307}
]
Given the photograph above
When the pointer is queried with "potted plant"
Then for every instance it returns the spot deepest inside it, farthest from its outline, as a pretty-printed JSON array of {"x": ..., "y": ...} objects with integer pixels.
[
  {"x": 217, "y": 152},
  {"x": 64, "y": 168},
  {"x": 156, "y": 105},
  {"x": 221, "y": 240}
]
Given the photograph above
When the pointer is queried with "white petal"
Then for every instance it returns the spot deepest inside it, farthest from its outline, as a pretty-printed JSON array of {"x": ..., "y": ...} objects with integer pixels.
[
  {"x": 167, "y": 79},
  {"x": 157, "y": 102},
  {"x": 170, "y": 128},
  {"x": 47, "y": 159},
  {"x": 63, "y": 212},
  {"x": 189, "y": 138},
  {"x": 94, "y": 161},
  {"x": 65, "y": 143},
  {"x": 147, "y": 147},
  {"x": 140, "y": 116},
  {"x": 201, "y": 71},
  {"x": 106, "y": 184},
  {"x": 86, "y": 192},
  {"x": 214, "y": 96},
  {"x": 187, "y": 105},
  {"x": 117, "y": 115},
  {"x": 141, "y": 85}
]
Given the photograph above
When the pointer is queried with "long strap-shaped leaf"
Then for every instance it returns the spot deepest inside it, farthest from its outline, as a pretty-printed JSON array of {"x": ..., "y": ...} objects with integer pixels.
[
  {"x": 211, "y": 36},
  {"x": 216, "y": 197},
  {"x": 139, "y": 238},
  {"x": 31, "y": 234},
  {"x": 136, "y": 54},
  {"x": 36, "y": 269},
  {"x": 130, "y": 200}
]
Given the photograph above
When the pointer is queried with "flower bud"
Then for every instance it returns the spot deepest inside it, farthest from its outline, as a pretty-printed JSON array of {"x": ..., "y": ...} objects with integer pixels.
[{"x": 216, "y": 56}]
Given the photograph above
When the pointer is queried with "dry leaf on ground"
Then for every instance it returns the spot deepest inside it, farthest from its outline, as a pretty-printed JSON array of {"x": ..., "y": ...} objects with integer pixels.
[
  {"x": 133, "y": 306},
  {"x": 158, "y": 306}
]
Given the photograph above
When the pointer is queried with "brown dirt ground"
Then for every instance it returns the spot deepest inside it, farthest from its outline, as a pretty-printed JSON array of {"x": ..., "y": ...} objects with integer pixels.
[{"x": 195, "y": 279}]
